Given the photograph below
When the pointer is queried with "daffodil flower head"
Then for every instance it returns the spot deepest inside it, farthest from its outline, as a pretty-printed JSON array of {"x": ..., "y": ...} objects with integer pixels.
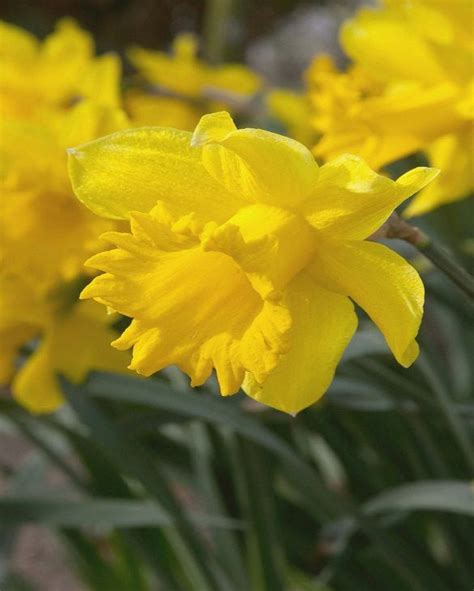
[
  {"x": 245, "y": 257},
  {"x": 37, "y": 77},
  {"x": 420, "y": 98},
  {"x": 46, "y": 235}
]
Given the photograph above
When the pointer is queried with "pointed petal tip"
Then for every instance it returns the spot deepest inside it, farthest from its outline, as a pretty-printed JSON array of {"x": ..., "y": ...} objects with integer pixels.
[
  {"x": 417, "y": 178},
  {"x": 84, "y": 295},
  {"x": 74, "y": 152},
  {"x": 410, "y": 355},
  {"x": 212, "y": 127}
]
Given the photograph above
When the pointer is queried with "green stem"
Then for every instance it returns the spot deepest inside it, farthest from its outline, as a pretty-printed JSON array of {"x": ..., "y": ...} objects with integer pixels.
[
  {"x": 445, "y": 263},
  {"x": 396, "y": 227},
  {"x": 216, "y": 24}
]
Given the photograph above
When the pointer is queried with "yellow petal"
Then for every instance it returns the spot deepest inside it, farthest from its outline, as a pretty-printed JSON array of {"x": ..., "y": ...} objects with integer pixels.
[
  {"x": 256, "y": 164},
  {"x": 68, "y": 40},
  {"x": 181, "y": 73},
  {"x": 323, "y": 325},
  {"x": 351, "y": 201},
  {"x": 12, "y": 338},
  {"x": 192, "y": 308},
  {"x": 73, "y": 346},
  {"x": 88, "y": 120},
  {"x": 36, "y": 386},
  {"x": 458, "y": 13},
  {"x": 389, "y": 47},
  {"x": 293, "y": 110},
  {"x": 383, "y": 284},
  {"x": 146, "y": 109},
  {"x": 271, "y": 244},
  {"x": 133, "y": 169},
  {"x": 102, "y": 81},
  {"x": 185, "y": 46},
  {"x": 63, "y": 231},
  {"x": 383, "y": 125},
  {"x": 234, "y": 80},
  {"x": 454, "y": 155},
  {"x": 22, "y": 169},
  {"x": 63, "y": 60},
  {"x": 16, "y": 44},
  {"x": 213, "y": 128},
  {"x": 81, "y": 343},
  {"x": 376, "y": 147}
]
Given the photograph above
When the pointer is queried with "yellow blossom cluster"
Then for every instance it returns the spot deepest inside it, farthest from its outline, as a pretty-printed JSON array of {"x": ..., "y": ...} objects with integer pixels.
[
  {"x": 410, "y": 88},
  {"x": 228, "y": 250},
  {"x": 54, "y": 94}
]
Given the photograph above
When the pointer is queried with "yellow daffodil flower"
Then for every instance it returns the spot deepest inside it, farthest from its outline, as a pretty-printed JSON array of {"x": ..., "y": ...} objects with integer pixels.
[
  {"x": 189, "y": 86},
  {"x": 46, "y": 237},
  {"x": 75, "y": 339},
  {"x": 41, "y": 76},
  {"x": 37, "y": 206},
  {"x": 417, "y": 58},
  {"x": 243, "y": 256}
]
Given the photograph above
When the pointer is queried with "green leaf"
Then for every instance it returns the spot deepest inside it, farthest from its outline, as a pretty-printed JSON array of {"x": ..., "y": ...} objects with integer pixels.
[
  {"x": 101, "y": 513},
  {"x": 225, "y": 540},
  {"x": 252, "y": 476},
  {"x": 217, "y": 411},
  {"x": 136, "y": 461},
  {"x": 453, "y": 496}
]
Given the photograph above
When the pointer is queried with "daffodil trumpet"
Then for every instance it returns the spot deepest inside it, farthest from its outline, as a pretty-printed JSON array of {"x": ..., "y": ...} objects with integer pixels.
[{"x": 245, "y": 257}]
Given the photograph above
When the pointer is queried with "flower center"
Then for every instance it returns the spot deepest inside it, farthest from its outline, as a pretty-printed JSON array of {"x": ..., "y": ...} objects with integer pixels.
[{"x": 271, "y": 244}]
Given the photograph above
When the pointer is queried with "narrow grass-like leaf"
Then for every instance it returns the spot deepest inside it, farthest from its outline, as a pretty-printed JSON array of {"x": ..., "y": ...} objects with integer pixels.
[
  {"x": 263, "y": 541},
  {"x": 218, "y": 412},
  {"x": 135, "y": 461},
  {"x": 97, "y": 513},
  {"x": 440, "y": 495}
]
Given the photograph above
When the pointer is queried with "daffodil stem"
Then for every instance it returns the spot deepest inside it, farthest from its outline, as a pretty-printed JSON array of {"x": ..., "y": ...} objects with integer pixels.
[
  {"x": 396, "y": 227},
  {"x": 445, "y": 263}
]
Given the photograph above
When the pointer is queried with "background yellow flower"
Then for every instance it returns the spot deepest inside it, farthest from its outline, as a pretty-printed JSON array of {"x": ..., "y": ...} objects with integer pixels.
[{"x": 417, "y": 98}]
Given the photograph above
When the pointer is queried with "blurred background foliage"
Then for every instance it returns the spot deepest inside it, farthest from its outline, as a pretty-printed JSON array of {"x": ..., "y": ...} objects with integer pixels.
[{"x": 151, "y": 486}]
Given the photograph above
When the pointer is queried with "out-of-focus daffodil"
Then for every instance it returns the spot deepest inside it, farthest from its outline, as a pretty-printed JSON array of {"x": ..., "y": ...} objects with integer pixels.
[
  {"x": 46, "y": 237},
  {"x": 45, "y": 231},
  {"x": 189, "y": 85},
  {"x": 75, "y": 339},
  {"x": 418, "y": 57},
  {"x": 243, "y": 256},
  {"x": 37, "y": 77}
]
